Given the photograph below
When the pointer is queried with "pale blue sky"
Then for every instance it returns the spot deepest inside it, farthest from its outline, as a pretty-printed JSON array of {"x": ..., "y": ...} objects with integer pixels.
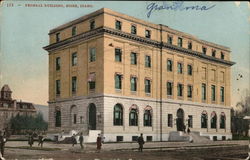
[{"x": 24, "y": 31}]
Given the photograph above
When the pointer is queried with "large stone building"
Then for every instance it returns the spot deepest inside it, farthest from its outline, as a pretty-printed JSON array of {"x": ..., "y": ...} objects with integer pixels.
[
  {"x": 124, "y": 76},
  {"x": 10, "y": 107}
]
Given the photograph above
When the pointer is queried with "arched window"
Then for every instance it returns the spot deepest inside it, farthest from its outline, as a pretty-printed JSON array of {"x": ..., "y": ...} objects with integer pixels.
[
  {"x": 73, "y": 113},
  {"x": 147, "y": 116},
  {"x": 222, "y": 120},
  {"x": 58, "y": 118},
  {"x": 213, "y": 120},
  {"x": 118, "y": 115},
  {"x": 133, "y": 117},
  {"x": 204, "y": 119}
]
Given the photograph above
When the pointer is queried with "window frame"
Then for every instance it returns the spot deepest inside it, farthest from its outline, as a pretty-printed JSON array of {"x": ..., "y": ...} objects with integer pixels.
[
  {"x": 147, "y": 33},
  {"x": 180, "y": 42},
  {"x": 118, "y": 54},
  {"x": 133, "y": 29},
  {"x": 118, "y": 25},
  {"x": 147, "y": 86},
  {"x": 133, "y": 58},
  {"x": 92, "y": 24},
  {"x": 92, "y": 54},
  {"x": 169, "y": 66},
  {"x": 147, "y": 61},
  {"x": 180, "y": 88},
  {"x": 74, "y": 59}
]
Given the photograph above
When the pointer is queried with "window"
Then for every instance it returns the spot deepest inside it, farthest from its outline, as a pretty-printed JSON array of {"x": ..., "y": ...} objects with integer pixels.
[
  {"x": 92, "y": 24},
  {"x": 118, "y": 81},
  {"x": 222, "y": 56},
  {"x": 133, "y": 29},
  {"x": 203, "y": 120},
  {"x": 179, "y": 42},
  {"x": 213, "y": 93},
  {"x": 133, "y": 117},
  {"x": 179, "y": 90},
  {"x": 74, "y": 59},
  {"x": 58, "y": 118},
  {"x": 204, "y": 50},
  {"x": 180, "y": 68},
  {"x": 134, "y": 138},
  {"x": 75, "y": 119},
  {"x": 133, "y": 58},
  {"x": 170, "y": 40},
  {"x": 169, "y": 65},
  {"x": 222, "y": 94},
  {"x": 118, "y": 115},
  {"x": 92, "y": 54},
  {"x": 118, "y": 25},
  {"x": 222, "y": 121},
  {"x": 169, "y": 88},
  {"x": 189, "y": 91},
  {"x": 190, "y": 121},
  {"x": 147, "y": 61},
  {"x": 57, "y": 37},
  {"x": 73, "y": 31},
  {"x": 147, "y": 33},
  {"x": 58, "y": 63},
  {"x": 190, "y": 70},
  {"x": 91, "y": 81},
  {"x": 119, "y": 138},
  {"x": 133, "y": 84},
  {"x": 149, "y": 138},
  {"x": 170, "y": 120},
  {"x": 147, "y": 86},
  {"x": 147, "y": 118},
  {"x": 189, "y": 45},
  {"x": 74, "y": 84},
  {"x": 203, "y": 89},
  {"x": 118, "y": 55},
  {"x": 213, "y": 52},
  {"x": 58, "y": 87},
  {"x": 213, "y": 120}
]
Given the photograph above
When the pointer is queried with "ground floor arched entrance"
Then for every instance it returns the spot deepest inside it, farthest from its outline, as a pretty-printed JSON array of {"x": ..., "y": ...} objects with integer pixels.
[{"x": 180, "y": 120}]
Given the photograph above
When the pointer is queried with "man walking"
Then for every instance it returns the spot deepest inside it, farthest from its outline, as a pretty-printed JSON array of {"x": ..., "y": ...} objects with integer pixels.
[
  {"x": 81, "y": 140},
  {"x": 141, "y": 142},
  {"x": 73, "y": 138}
]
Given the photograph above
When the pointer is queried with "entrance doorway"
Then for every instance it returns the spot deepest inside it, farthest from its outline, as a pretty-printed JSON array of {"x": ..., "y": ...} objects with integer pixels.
[
  {"x": 92, "y": 116},
  {"x": 180, "y": 120}
]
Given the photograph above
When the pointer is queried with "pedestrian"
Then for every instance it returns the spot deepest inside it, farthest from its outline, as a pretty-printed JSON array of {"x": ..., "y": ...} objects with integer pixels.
[
  {"x": 73, "y": 138},
  {"x": 2, "y": 143},
  {"x": 31, "y": 139},
  {"x": 99, "y": 142},
  {"x": 188, "y": 130},
  {"x": 141, "y": 142},
  {"x": 81, "y": 140},
  {"x": 40, "y": 140},
  {"x": 184, "y": 128}
]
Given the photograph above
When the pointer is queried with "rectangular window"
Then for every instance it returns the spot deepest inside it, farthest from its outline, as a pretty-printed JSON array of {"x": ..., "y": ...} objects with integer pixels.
[
  {"x": 118, "y": 25},
  {"x": 213, "y": 52},
  {"x": 213, "y": 93},
  {"x": 179, "y": 42},
  {"x": 169, "y": 88},
  {"x": 92, "y": 54},
  {"x": 119, "y": 138},
  {"x": 134, "y": 138},
  {"x": 133, "y": 29},
  {"x": 222, "y": 94},
  {"x": 204, "y": 50},
  {"x": 147, "y": 86},
  {"x": 170, "y": 40},
  {"x": 222, "y": 56},
  {"x": 58, "y": 63},
  {"x": 180, "y": 68},
  {"x": 133, "y": 84},
  {"x": 189, "y": 45},
  {"x": 75, "y": 118},
  {"x": 170, "y": 120},
  {"x": 189, "y": 91},
  {"x": 203, "y": 89},
  {"x": 58, "y": 87},
  {"x": 149, "y": 138},
  {"x": 147, "y": 61},
  {"x": 118, "y": 81},
  {"x": 169, "y": 65},
  {"x": 57, "y": 37},
  {"x": 73, "y": 31},
  {"x": 190, "y": 121},
  {"x": 74, "y": 84},
  {"x": 180, "y": 90},
  {"x": 92, "y": 25},
  {"x": 74, "y": 59},
  {"x": 91, "y": 81},
  {"x": 133, "y": 58},
  {"x": 118, "y": 55},
  {"x": 190, "y": 70},
  {"x": 147, "y": 33}
]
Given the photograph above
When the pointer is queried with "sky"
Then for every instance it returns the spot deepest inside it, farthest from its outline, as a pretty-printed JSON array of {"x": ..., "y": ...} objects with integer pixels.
[{"x": 24, "y": 33}]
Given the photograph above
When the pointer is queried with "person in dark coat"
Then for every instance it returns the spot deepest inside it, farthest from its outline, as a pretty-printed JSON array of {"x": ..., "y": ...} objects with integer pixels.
[
  {"x": 99, "y": 142},
  {"x": 141, "y": 142},
  {"x": 73, "y": 138},
  {"x": 31, "y": 139},
  {"x": 2, "y": 142},
  {"x": 81, "y": 140},
  {"x": 40, "y": 140},
  {"x": 188, "y": 130}
]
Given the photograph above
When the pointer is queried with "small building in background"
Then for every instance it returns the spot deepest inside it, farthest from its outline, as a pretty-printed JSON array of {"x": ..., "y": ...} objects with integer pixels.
[{"x": 10, "y": 107}]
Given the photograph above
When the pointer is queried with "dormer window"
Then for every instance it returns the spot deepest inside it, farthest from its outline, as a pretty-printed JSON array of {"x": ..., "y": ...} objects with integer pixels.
[
  {"x": 189, "y": 45},
  {"x": 222, "y": 55},
  {"x": 133, "y": 29},
  {"x": 74, "y": 31},
  {"x": 147, "y": 33},
  {"x": 118, "y": 25},
  {"x": 92, "y": 24},
  {"x": 57, "y": 37},
  {"x": 179, "y": 42},
  {"x": 204, "y": 50},
  {"x": 213, "y": 52}
]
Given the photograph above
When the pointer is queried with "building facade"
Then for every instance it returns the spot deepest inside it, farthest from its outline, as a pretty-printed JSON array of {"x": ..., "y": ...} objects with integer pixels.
[
  {"x": 125, "y": 76},
  {"x": 10, "y": 107}
]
